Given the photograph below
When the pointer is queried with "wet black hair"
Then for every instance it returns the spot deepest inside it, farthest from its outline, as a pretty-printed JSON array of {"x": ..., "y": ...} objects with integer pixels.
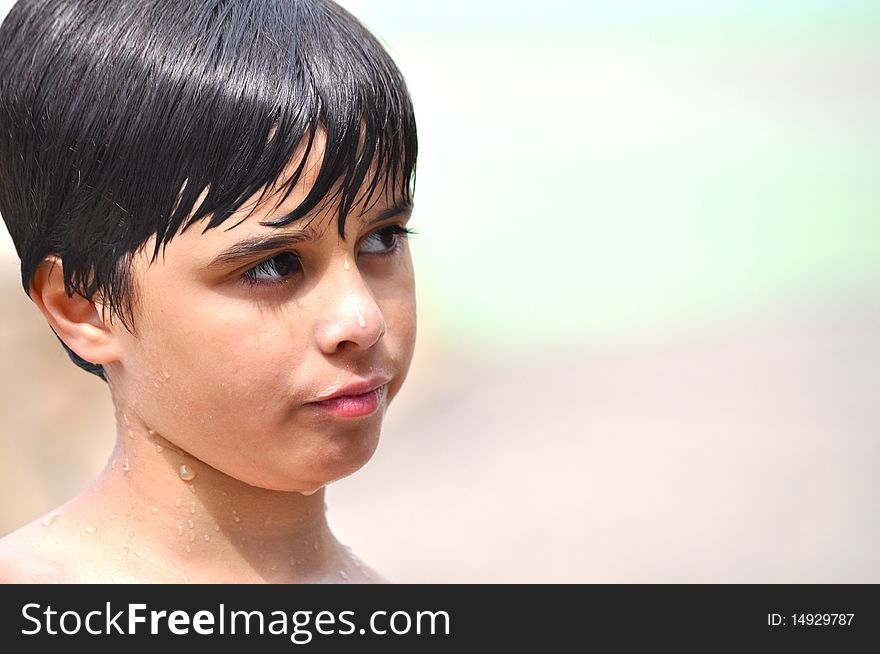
[{"x": 115, "y": 116}]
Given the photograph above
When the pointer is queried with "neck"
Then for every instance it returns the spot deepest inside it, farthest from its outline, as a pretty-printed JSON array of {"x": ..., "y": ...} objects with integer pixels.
[{"x": 162, "y": 513}]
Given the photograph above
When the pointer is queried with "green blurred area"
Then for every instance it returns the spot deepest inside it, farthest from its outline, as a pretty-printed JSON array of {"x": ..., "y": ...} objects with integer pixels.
[{"x": 590, "y": 169}]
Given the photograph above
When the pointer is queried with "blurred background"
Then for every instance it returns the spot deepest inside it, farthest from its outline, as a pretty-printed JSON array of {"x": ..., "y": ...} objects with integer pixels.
[{"x": 649, "y": 299}]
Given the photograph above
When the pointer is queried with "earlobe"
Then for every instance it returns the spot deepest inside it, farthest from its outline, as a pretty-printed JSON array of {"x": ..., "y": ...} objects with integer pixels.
[{"x": 76, "y": 320}]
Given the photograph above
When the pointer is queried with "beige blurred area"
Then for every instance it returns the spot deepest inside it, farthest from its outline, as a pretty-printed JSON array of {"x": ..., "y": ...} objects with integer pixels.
[{"x": 740, "y": 450}]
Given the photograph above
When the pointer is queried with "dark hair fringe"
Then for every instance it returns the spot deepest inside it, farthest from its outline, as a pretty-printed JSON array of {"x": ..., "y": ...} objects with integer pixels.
[{"x": 116, "y": 116}]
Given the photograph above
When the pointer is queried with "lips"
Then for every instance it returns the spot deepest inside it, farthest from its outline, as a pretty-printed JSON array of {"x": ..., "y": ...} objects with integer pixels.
[
  {"x": 355, "y": 389},
  {"x": 355, "y": 400}
]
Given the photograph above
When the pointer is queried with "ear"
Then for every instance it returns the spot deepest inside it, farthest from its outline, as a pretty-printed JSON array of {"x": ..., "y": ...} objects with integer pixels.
[{"x": 76, "y": 320}]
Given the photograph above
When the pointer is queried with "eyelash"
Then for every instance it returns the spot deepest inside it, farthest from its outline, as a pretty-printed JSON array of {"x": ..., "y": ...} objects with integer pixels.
[{"x": 266, "y": 266}]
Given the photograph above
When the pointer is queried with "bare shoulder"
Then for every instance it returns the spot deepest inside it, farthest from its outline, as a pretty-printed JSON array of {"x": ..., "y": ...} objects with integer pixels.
[{"x": 27, "y": 556}]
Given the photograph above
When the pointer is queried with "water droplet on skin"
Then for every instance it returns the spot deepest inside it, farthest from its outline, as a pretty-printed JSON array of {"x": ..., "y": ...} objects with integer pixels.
[
  {"x": 114, "y": 516},
  {"x": 130, "y": 433},
  {"x": 49, "y": 519},
  {"x": 186, "y": 473},
  {"x": 180, "y": 530},
  {"x": 131, "y": 534},
  {"x": 159, "y": 448},
  {"x": 151, "y": 432},
  {"x": 125, "y": 551},
  {"x": 156, "y": 384},
  {"x": 342, "y": 574},
  {"x": 178, "y": 502},
  {"x": 236, "y": 518},
  {"x": 165, "y": 374},
  {"x": 315, "y": 545},
  {"x": 192, "y": 509},
  {"x": 154, "y": 510},
  {"x": 134, "y": 452},
  {"x": 216, "y": 527},
  {"x": 361, "y": 320},
  {"x": 90, "y": 529},
  {"x": 140, "y": 517},
  {"x": 188, "y": 548},
  {"x": 190, "y": 524},
  {"x": 127, "y": 513},
  {"x": 192, "y": 537},
  {"x": 125, "y": 418},
  {"x": 126, "y": 466},
  {"x": 206, "y": 537},
  {"x": 345, "y": 264}
]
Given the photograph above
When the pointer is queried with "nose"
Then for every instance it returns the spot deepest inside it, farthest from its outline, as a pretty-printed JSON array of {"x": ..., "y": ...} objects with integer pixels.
[{"x": 352, "y": 317}]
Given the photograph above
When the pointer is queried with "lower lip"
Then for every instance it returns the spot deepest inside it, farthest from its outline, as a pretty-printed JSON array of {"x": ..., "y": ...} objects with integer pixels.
[{"x": 352, "y": 406}]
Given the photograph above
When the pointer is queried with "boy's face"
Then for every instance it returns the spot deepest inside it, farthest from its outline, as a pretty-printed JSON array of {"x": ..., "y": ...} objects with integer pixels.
[{"x": 236, "y": 338}]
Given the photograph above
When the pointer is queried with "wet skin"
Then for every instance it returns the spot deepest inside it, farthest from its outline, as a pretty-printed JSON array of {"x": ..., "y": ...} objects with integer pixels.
[{"x": 222, "y": 454}]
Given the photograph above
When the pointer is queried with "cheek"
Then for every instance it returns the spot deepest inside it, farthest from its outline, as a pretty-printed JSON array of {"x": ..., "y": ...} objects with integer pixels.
[{"x": 204, "y": 371}]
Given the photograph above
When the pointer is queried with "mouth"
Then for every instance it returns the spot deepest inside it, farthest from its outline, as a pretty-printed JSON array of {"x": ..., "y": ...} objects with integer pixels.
[{"x": 353, "y": 406}]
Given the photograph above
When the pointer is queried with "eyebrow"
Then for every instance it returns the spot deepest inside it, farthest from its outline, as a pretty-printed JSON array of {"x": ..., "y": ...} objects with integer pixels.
[{"x": 265, "y": 243}]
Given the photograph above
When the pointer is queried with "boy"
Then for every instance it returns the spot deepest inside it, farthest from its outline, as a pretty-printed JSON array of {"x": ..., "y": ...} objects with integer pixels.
[{"x": 209, "y": 200}]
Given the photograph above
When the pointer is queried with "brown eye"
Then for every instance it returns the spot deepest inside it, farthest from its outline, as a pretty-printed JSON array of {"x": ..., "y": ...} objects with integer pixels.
[
  {"x": 384, "y": 241},
  {"x": 274, "y": 270}
]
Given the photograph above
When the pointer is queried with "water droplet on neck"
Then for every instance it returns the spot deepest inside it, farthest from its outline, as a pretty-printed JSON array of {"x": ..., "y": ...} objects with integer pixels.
[
  {"x": 130, "y": 433},
  {"x": 159, "y": 448},
  {"x": 192, "y": 537},
  {"x": 154, "y": 510},
  {"x": 126, "y": 466},
  {"x": 90, "y": 529},
  {"x": 114, "y": 516},
  {"x": 342, "y": 574},
  {"x": 180, "y": 530},
  {"x": 186, "y": 473},
  {"x": 165, "y": 374},
  {"x": 206, "y": 537},
  {"x": 49, "y": 519},
  {"x": 315, "y": 545},
  {"x": 178, "y": 502},
  {"x": 190, "y": 524},
  {"x": 188, "y": 548},
  {"x": 361, "y": 320},
  {"x": 345, "y": 264}
]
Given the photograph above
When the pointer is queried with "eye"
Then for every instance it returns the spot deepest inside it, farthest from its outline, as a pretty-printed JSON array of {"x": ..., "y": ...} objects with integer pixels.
[
  {"x": 386, "y": 241},
  {"x": 276, "y": 270}
]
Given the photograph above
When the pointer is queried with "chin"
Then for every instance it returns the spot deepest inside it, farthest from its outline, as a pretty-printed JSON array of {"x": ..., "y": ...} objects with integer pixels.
[{"x": 336, "y": 460}]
